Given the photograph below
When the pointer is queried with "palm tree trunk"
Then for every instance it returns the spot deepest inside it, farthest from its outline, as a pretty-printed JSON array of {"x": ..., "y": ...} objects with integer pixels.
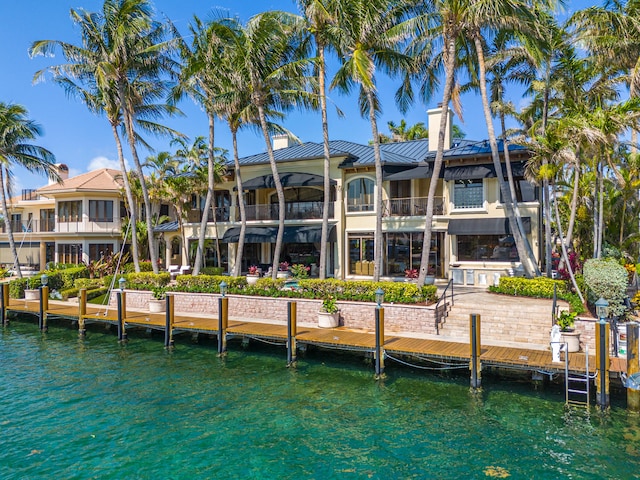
[
  {"x": 527, "y": 262},
  {"x": 574, "y": 205},
  {"x": 128, "y": 120},
  {"x": 7, "y": 223},
  {"x": 546, "y": 190},
  {"x": 207, "y": 202},
  {"x": 327, "y": 164},
  {"x": 133, "y": 213},
  {"x": 279, "y": 191},
  {"x": 378, "y": 239},
  {"x": 514, "y": 198},
  {"x": 243, "y": 215},
  {"x": 564, "y": 253},
  {"x": 601, "y": 213},
  {"x": 437, "y": 164}
]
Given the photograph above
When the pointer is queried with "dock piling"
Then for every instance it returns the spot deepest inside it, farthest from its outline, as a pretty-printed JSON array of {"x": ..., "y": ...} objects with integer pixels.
[
  {"x": 169, "y": 318},
  {"x": 475, "y": 345},
  {"x": 602, "y": 361},
  {"x": 223, "y": 322},
  {"x": 44, "y": 305},
  {"x": 122, "y": 302},
  {"x": 82, "y": 311},
  {"x": 292, "y": 330},
  {"x": 4, "y": 303},
  {"x": 633, "y": 366},
  {"x": 379, "y": 352}
]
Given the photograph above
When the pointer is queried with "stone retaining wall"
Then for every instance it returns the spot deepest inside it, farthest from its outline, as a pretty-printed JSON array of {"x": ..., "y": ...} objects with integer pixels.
[{"x": 356, "y": 315}]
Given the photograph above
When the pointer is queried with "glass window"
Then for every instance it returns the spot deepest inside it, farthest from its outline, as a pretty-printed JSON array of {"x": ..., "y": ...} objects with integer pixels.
[
  {"x": 468, "y": 194},
  {"x": 360, "y": 195},
  {"x": 98, "y": 251},
  {"x": 361, "y": 254},
  {"x": 525, "y": 191},
  {"x": 70, "y": 253},
  {"x": 101, "y": 210},
  {"x": 70, "y": 211},
  {"x": 497, "y": 248}
]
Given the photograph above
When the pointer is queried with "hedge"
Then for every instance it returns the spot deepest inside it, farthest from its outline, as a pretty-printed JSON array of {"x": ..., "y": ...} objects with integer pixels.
[
  {"x": 539, "y": 287},
  {"x": 607, "y": 279},
  {"x": 395, "y": 292}
]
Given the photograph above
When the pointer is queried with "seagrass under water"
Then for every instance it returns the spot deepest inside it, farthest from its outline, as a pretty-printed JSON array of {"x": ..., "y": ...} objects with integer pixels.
[{"x": 92, "y": 408}]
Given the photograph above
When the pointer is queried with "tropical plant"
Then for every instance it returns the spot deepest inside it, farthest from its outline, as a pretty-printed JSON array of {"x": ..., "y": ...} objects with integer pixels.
[
  {"x": 411, "y": 273},
  {"x": 159, "y": 292},
  {"x": 283, "y": 266},
  {"x": 566, "y": 320},
  {"x": 253, "y": 270},
  {"x": 16, "y": 131},
  {"x": 370, "y": 41},
  {"x": 329, "y": 305},
  {"x": 298, "y": 270}
]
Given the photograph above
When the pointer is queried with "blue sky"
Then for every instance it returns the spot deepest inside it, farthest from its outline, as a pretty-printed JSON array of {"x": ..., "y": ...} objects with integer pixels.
[{"x": 84, "y": 141}]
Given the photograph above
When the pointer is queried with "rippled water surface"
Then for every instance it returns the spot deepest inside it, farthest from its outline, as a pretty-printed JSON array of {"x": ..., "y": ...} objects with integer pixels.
[{"x": 92, "y": 408}]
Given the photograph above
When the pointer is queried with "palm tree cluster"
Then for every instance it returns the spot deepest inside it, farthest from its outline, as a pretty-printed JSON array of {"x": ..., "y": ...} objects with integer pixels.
[{"x": 582, "y": 103}]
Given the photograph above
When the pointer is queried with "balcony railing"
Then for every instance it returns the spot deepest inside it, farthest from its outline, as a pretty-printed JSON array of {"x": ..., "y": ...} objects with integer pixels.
[
  {"x": 222, "y": 215},
  {"x": 412, "y": 207},
  {"x": 87, "y": 227},
  {"x": 30, "y": 227},
  {"x": 293, "y": 211}
]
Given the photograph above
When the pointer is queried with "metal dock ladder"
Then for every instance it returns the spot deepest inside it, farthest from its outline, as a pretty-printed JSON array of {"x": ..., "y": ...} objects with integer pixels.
[{"x": 577, "y": 384}]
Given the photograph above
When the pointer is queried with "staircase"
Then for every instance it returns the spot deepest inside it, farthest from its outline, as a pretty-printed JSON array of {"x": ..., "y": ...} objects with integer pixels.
[{"x": 505, "y": 319}]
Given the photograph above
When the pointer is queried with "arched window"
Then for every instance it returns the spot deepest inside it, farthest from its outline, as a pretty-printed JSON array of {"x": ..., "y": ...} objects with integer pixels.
[{"x": 360, "y": 195}]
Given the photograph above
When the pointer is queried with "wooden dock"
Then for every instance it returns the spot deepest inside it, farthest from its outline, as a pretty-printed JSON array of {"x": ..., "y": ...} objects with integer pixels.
[{"x": 341, "y": 338}]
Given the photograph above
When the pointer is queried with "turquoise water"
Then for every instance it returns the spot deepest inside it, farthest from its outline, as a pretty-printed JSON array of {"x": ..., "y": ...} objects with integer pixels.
[{"x": 72, "y": 408}]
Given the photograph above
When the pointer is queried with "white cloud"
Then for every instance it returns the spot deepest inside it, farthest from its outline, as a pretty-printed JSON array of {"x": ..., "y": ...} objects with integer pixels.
[{"x": 104, "y": 162}]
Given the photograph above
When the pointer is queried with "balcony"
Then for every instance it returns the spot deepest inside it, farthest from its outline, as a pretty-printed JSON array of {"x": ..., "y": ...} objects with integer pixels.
[
  {"x": 222, "y": 215},
  {"x": 87, "y": 227},
  {"x": 34, "y": 226},
  {"x": 412, "y": 207},
  {"x": 293, "y": 211}
]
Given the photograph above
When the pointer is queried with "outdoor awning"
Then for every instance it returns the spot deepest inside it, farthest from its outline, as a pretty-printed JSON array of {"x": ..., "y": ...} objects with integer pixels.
[
  {"x": 287, "y": 179},
  {"x": 293, "y": 234},
  {"x": 407, "y": 173},
  {"x": 473, "y": 172},
  {"x": 484, "y": 226}
]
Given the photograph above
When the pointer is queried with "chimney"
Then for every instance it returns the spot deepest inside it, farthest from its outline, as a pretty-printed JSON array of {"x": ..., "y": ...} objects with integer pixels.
[
  {"x": 63, "y": 172},
  {"x": 434, "y": 116},
  {"x": 281, "y": 141}
]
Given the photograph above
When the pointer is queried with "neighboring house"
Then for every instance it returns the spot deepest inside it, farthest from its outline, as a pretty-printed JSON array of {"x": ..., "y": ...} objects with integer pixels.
[
  {"x": 74, "y": 221},
  {"x": 471, "y": 240}
]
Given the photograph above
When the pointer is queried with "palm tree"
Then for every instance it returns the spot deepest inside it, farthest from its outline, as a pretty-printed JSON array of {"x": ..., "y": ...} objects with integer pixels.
[
  {"x": 369, "y": 39},
  {"x": 321, "y": 17},
  {"x": 16, "y": 131},
  {"x": 275, "y": 61},
  {"x": 122, "y": 58}
]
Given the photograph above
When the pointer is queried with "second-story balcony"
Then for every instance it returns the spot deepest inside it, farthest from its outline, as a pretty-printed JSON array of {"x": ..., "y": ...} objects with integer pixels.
[
  {"x": 222, "y": 215},
  {"x": 412, "y": 207},
  {"x": 34, "y": 226},
  {"x": 293, "y": 211},
  {"x": 88, "y": 226}
]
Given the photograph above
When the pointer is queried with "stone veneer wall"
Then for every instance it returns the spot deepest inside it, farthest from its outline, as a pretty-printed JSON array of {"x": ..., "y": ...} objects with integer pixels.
[{"x": 356, "y": 315}]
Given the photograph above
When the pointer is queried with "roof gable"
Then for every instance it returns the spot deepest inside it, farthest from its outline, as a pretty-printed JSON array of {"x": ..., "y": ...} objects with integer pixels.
[{"x": 104, "y": 179}]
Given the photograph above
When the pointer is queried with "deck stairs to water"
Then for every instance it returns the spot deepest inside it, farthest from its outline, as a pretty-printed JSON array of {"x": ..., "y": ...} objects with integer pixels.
[{"x": 497, "y": 313}]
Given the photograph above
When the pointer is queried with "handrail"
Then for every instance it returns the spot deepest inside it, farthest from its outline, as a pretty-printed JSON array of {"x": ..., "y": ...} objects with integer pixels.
[{"x": 443, "y": 297}]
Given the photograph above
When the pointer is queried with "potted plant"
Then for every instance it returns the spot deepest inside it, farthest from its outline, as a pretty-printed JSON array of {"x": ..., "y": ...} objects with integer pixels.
[
  {"x": 329, "y": 314},
  {"x": 253, "y": 275},
  {"x": 410, "y": 274},
  {"x": 158, "y": 304},
  {"x": 568, "y": 335},
  {"x": 299, "y": 270},
  {"x": 31, "y": 293},
  {"x": 283, "y": 270}
]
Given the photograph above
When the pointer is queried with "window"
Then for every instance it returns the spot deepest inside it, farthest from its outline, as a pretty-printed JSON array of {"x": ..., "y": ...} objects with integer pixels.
[
  {"x": 70, "y": 211},
  {"x": 101, "y": 210},
  {"x": 497, "y": 248},
  {"x": 47, "y": 219},
  {"x": 525, "y": 191},
  {"x": 360, "y": 195},
  {"x": 70, "y": 253},
  {"x": 361, "y": 254},
  {"x": 98, "y": 251},
  {"x": 468, "y": 194}
]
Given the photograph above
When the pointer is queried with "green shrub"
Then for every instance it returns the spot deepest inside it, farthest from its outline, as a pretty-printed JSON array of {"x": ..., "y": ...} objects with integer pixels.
[
  {"x": 607, "y": 279},
  {"x": 213, "y": 271},
  {"x": 88, "y": 283},
  {"x": 539, "y": 287},
  {"x": 140, "y": 281},
  {"x": 208, "y": 283}
]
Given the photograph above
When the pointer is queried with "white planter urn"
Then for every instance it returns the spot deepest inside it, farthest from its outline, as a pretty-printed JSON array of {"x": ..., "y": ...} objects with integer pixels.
[
  {"x": 157, "y": 306},
  {"x": 572, "y": 339},
  {"x": 282, "y": 274},
  {"x": 328, "y": 320},
  {"x": 252, "y": 279},
  {"x": 32, "y": 294}
]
